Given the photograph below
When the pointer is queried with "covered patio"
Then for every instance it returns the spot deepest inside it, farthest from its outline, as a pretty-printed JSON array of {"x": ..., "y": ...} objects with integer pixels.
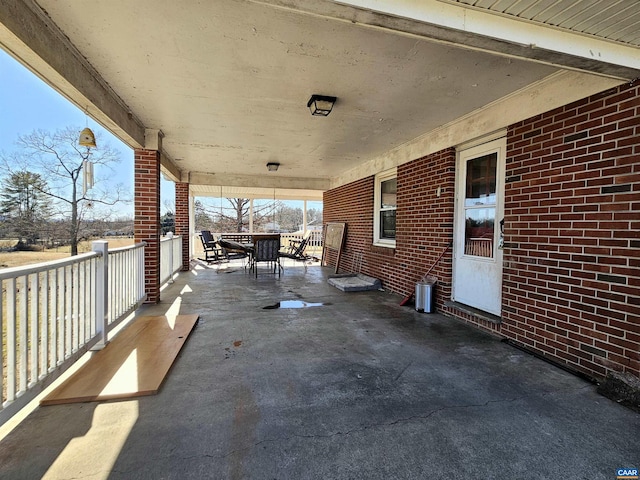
[
  {"x": 511, "y": 123},
  {"x": 348, "y": 385}
]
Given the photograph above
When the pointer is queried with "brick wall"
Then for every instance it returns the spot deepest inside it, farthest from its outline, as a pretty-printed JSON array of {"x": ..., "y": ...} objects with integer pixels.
[
  {"x": 182, "y": 220},
  {"x": 147, "y": 216},
  {"x": 572, "y": 219},
  {"x": 353, "y": 204},
  {"x": 571, "y": 285},
  {"x": 424, "y": 225}
]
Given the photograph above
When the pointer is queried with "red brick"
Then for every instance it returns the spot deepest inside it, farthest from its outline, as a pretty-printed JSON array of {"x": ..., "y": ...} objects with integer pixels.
[
  {"x": 566, "y": 231},
  {"x": 147, "y": 216}
]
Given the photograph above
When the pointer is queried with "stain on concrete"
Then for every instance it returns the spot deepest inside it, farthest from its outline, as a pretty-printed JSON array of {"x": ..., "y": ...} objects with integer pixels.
[{"x": 246, "y": 416}]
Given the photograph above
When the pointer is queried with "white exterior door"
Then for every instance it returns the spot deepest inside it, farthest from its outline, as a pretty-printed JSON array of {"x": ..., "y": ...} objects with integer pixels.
[{"x": 477, "y": 268}]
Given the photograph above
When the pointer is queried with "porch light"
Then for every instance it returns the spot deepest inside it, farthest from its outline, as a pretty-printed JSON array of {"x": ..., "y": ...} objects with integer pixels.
[
  {"x": 321, "y": 105},
  {"x": 273, "y": 166}
]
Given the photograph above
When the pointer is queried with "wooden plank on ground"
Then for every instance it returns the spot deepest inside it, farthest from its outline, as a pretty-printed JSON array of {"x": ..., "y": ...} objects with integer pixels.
[{"x": 134, "y": 364}]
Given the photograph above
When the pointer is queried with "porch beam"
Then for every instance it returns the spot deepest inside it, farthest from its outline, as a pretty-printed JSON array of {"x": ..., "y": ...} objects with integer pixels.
[
  {"x": 475, "y": 29},
  {"x": 231, "y": 180},
  {"x": 169, "y": 168}
]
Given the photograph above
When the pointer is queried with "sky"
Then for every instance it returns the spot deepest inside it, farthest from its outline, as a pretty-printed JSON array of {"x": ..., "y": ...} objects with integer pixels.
[{"x": 27, "y": 104}]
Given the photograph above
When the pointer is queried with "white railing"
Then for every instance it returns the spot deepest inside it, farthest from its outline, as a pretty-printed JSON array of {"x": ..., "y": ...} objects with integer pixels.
[
  {"x": 479, "y": 247},
  {"x": 315, "y": 238},
  {"x": 286, "y": 237},
  {"x": 170, "y": 257},
  {"x": 53, "y": 312},
  {"x": 126, "y": 281}
]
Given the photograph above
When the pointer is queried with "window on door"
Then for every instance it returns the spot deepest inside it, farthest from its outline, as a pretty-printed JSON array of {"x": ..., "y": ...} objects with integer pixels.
[
  {"x": 384, "y": 222},
  {"x": 480, "y": 206}
]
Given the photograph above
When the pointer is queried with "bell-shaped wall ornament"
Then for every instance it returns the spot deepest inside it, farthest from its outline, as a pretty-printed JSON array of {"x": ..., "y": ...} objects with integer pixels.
[{"x": 87, "y": 138}]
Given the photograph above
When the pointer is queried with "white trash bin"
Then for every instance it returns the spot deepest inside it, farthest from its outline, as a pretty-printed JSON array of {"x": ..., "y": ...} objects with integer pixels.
[{"x": 424, "y": 295}]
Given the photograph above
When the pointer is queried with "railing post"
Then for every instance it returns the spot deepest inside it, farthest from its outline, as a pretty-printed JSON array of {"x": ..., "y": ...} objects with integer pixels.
[
  {"x": 102, "y": 292},
  {"x": 170, "y": 261}
]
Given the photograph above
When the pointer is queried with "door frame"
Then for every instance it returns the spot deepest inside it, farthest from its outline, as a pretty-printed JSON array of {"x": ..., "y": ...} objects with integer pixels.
[{"x": 496, "y": 143}]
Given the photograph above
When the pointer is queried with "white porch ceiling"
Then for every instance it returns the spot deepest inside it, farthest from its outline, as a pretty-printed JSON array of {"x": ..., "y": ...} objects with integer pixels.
[{"x": 227, "y": 81}]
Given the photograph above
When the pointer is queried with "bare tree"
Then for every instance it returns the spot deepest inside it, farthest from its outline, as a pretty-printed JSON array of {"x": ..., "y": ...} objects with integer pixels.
[
  {"x": 239, "y": 206},
  {"x": 235, "y": 216},
  {"x": 314, "y": 216},
  {"x": 58, "y": 158},
  {"x": 289, "y": 218},
  {"x": 169, "y": 206}
]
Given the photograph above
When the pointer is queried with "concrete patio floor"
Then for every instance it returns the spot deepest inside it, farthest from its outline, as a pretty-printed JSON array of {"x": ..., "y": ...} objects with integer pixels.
[{"x": 356, "y": 388}]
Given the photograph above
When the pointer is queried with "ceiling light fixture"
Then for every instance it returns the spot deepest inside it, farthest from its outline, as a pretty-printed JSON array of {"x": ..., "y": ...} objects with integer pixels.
[
  {"x": 273, "y": 166},
  {"x": 321, "y": 105}
]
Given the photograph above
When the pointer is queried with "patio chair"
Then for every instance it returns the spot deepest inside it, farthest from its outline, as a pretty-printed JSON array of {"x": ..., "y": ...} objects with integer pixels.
[
  {"x": 297, "y": 245},
  {"x": 296, "y": 249},
  {"x": 267, "y": 249},
  {"x": 212, "y": 253}
]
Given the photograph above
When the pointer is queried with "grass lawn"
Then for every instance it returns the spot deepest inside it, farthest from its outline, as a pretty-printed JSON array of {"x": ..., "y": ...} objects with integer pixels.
[{"x": 16, "y": 259}]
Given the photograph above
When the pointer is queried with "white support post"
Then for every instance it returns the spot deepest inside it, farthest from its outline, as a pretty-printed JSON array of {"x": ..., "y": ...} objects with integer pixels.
[
  {"x": 192, "y": 224},
  {"x": 170, "y": 242},
  {"x": 304, "y": 217},
  {"x": 102, "y": 292},
  {"x": 251, "y": 215}
]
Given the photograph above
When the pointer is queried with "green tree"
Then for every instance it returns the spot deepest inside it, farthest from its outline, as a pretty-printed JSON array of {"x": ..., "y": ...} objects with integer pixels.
[
  {"x": 168, "y": 223},
  {"x": 202, "y": 218},
  {"x": 24, "y": 203},
  {"x": 59, "y": 159}
]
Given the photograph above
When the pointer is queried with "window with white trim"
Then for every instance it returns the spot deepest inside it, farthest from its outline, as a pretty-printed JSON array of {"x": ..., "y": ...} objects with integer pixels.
[{"x": 384, "y": 220}]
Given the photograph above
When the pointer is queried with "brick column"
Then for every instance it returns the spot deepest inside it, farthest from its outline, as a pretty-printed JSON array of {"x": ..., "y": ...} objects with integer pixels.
[
  {"x": 147, "y": 216},
  {"x": 182, "y": 220}
]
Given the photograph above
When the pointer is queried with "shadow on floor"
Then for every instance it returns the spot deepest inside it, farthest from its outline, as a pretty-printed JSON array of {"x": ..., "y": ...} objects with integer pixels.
[{"x": 358, "y": 388}]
